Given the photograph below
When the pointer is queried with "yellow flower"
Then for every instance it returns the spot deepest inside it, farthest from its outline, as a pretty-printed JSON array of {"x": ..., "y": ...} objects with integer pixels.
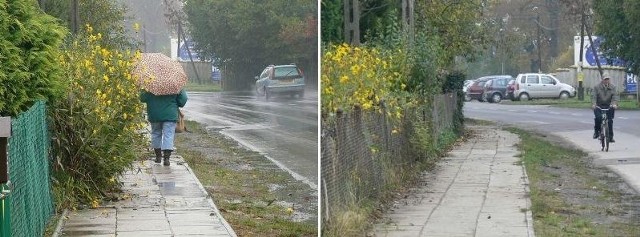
[
  {"x": 355, "y": 69},
  {"x": 95, "y": 203},
  {"x": 136, "y": 26},
  {"x": 344, "y": 79}
]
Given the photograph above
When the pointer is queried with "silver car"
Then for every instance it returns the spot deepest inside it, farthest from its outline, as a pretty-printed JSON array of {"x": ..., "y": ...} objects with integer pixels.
[
  {"x": 537, "y": 85},
  {"x": 280, "y": 79}
]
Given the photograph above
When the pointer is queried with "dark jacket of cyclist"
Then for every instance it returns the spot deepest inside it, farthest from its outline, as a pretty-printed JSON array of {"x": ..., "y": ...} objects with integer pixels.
[{"x": 604, "y": 95}]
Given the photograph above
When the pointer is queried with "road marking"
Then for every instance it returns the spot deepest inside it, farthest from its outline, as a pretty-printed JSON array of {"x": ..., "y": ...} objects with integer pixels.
[
  {"x": 537, "y": 122},
  {"x": 552, "y": 112},
  {"x": 622, "y": 118},
  {"x": 577, "y": 115},
  {"x": 586, "y": 122}
]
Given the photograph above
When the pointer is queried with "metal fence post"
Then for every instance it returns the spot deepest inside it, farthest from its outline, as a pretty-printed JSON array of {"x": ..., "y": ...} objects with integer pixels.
[{"x": 5, "y": 201}]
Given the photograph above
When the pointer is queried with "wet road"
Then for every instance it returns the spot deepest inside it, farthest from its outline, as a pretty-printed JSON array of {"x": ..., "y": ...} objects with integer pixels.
[
  {"x": 549, "y": 119},
  {"x": 284, "y": 129}
]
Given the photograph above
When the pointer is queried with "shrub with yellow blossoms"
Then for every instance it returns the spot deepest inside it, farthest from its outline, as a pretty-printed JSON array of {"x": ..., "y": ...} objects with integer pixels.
[
  {"x": 361, "y": 76},
  {"x": 97, "y": 126}
]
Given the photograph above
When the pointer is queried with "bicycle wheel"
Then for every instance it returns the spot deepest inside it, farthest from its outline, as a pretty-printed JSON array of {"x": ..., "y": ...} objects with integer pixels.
[
  {"x": 605, "y": 128},
  {"x": 602, "y": 136}
]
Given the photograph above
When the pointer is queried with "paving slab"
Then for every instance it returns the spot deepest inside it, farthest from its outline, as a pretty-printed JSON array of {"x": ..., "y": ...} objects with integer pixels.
[
  {"x": 480, "y": 189},
  {"x": 164, "y": 201}
]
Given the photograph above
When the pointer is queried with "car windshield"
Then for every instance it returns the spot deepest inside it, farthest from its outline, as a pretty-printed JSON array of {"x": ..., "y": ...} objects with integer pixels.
[{"x": 285, "y": 72}]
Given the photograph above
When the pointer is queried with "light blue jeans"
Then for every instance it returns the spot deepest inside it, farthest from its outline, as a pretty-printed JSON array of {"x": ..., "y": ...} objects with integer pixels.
[{"x": 162, "y": 135}]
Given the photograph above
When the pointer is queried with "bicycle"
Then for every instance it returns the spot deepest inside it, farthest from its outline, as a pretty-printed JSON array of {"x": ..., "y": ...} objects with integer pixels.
[{"x": 604, "y": 129}]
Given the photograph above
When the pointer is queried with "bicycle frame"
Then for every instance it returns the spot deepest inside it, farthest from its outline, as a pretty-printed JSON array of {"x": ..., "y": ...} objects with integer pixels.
[{"x": 604, "y": 129}]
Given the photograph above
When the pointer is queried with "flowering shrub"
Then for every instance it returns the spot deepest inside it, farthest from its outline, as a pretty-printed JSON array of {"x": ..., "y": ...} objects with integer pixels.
[
  {"x": 96, "y": 126},
  {"x": 361, "y": 76}
]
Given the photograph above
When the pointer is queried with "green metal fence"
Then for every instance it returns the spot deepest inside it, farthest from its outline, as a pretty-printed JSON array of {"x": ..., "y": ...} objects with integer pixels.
[
  {"x": 31, "y": 203},
  {"x": 5, "y": 211}
]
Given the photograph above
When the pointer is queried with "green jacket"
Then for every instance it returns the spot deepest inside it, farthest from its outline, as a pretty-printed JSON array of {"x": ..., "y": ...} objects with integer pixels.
[
  {"x": 603, "y": 96},
  {"x": 163, "y": 108}
]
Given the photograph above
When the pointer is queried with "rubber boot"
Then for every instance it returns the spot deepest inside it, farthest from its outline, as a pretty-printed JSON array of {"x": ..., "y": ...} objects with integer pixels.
[
  {"x": 158, "y": 152},
  {"x": 167, "y": 155}
]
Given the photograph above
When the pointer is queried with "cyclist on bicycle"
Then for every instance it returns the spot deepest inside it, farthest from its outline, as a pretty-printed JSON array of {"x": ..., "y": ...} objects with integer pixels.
[{"x": 605, "y": 96}]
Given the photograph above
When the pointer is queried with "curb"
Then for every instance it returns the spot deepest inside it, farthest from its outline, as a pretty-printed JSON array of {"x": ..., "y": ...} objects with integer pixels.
[
  {"x": 529, "y": 213},
  {"x": 209, "y": 199},
  {"x": 58, "y": 229}
]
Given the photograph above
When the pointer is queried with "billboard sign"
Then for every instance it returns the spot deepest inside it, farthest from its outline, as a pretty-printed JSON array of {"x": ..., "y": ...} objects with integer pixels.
[
  {"x": 589, "y": 55},
  {"x": 183, "y": 54},
  {"x": 631, "y": 83}
]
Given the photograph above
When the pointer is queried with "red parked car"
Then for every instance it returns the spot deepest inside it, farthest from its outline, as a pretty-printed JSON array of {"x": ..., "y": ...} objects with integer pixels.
[
  {"x": 511, "y": 87},
  {"x": 475, "y": 91}
]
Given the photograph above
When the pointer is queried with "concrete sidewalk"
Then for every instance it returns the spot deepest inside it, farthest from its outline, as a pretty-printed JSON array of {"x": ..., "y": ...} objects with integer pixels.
[
  {"x": 164, "y": 201},
  {"x": 479, "y": 189},
  {"x": 623, "y": 156}
]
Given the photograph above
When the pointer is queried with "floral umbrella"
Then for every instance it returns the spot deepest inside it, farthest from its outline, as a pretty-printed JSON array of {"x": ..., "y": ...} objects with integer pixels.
[{"x": 159, "y": 74}]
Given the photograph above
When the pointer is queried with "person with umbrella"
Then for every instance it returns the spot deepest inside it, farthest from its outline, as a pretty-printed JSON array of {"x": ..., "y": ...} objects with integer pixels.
[{"x": 162, "y": 80}]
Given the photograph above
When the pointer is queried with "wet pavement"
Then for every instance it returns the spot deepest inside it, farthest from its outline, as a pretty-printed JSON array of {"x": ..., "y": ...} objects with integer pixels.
[
  {"x": 478, "y": 189},
  {"x": 284, "y": 129},
  {"x": 160, "y": 201}
]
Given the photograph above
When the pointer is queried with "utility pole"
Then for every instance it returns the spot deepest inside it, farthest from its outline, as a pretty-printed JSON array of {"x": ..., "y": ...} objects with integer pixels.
[
  {"x": 74, "y": 17},
  {"x": 186, "y": 43},
  {"x": 579, "y": 66},
  {"x": 593, "y": 49},
  {"x": 408, "y": 21},
  {"x": 539, "y": 44},
  {"x": 352, "y": 22},
  {"x": 179, "y": 35}
]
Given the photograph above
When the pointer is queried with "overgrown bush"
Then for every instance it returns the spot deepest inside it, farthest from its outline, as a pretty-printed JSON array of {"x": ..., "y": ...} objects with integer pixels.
[
  {"x": 96, "y": 125},
  {"x": 363, "y": 76},
  {"x": 453, "y": 84},
  {"x": 29, "y": 50}
]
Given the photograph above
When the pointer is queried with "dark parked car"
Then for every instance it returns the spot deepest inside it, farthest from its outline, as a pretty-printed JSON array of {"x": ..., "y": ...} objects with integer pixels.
[{"x": 495, "y": 89}]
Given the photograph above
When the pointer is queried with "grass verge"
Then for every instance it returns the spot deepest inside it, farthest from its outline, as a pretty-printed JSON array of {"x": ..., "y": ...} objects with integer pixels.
[
  {"x": 205, "y": 87},
  {"x": 255, "y": 196},
  {"x": 572, "y": 197},
  {"x": 624, "y": 104}
]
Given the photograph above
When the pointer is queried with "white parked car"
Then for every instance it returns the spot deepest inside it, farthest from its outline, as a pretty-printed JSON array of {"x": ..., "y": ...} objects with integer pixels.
[{"x": 537, "y": 85}]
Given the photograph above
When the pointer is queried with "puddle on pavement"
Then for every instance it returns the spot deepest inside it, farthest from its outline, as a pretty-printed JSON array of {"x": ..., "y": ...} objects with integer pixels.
[
  {"x": 274, "y": 187},
  {"x": 169, "y": 188},
  {"x": 296, "y": 216},
  {"x": 87, "y": 232}
]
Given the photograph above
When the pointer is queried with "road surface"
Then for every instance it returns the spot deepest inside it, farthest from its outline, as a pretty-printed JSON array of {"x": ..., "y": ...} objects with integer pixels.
[
  {"x": 575, "y": 126},
  {"x": 284, "y": 129}
]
